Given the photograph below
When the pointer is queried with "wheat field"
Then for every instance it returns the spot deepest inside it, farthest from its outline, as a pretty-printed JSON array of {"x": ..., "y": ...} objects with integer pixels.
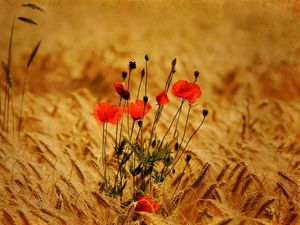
[{"x": 245, "y": 166}]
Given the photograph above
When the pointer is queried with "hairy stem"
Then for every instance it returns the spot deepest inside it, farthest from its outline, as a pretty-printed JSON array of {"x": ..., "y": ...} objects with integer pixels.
[{"x": 185, "y": 147}]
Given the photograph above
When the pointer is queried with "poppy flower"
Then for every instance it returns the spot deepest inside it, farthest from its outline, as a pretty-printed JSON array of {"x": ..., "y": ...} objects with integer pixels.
[
  {"x": 186, "y": 90},
  {"x": 162, "y": 98},
  {"x": 137, "y": 109},
  {"x": 122, "y": 91},
  {"x": 106, "y": 112},
  {"x": 147, "y": 204}
]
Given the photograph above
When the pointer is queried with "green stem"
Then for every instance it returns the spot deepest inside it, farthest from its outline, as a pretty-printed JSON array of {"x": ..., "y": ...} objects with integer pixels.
[
  {"x": 182, "y": 173},
  {"x": 22, "y": 103},
  {"x": 146, "y": 83},
  {"x": 139, "y": 88},
  {"x": 179, "y": 109},
  {"x": 186, "y": 123},
  {"x": 177, "y": 122},
  {"x": 117, "y": 126},
  {"x": 121, "y": 128},
  {"x": 187, "y": 145}
]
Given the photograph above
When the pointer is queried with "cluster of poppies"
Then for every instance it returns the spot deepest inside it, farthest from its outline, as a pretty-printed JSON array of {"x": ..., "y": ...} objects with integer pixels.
[
  {"x": 106, "y": 113},
  {"x": 112, "y": 113}
]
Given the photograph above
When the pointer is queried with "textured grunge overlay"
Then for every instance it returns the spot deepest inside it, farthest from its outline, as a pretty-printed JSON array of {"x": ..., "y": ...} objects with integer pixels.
[{"x": 245, "y": 166}]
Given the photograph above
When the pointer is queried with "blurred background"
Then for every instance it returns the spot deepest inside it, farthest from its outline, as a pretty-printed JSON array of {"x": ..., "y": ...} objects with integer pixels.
[{"x": 88, "y": 43}]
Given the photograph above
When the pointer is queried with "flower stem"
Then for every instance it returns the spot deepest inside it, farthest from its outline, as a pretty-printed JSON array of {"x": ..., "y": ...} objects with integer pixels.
[
  {"x": 156, "y": 119},
  {"x": 185, "y": 147},
  {"x": 179, "y": 109},
  {"x": 146, "y": 83},
  {"x": 128, "y": 88},
  {"x": 186, "y": 123},
  {"x": 103, "y": 151},
  {"x": 22, "y": 103},
  {"x": 132, "y": 128},
  {"x": 139, "y": 88},
  {"x": 175, "y": 131},
  {"x": 181, "y": 175},
  {"x": 117, "y": 126},
  {"x": 169, "y": 80},
  {"x": 121, "y": 128}
]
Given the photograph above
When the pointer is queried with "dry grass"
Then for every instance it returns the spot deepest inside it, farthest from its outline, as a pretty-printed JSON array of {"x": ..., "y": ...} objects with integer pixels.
[{"x": 245, "y": 166}]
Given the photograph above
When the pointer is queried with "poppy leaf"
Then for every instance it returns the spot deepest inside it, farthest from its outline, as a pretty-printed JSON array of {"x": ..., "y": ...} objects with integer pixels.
[
  {"x": 27, "y": 20},
  {"x": 33, "y": 54},
  {"x": 33, "y": 6}
]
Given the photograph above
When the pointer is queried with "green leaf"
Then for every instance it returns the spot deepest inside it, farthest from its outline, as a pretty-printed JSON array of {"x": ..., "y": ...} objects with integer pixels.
[
  {"x": 144, "y": 185},
  {"x": 126, "y": 157},
  {"x": 119, "y": 149},
  {"x": 137, "y": 170},
  {"x": 27, "y": 20},
  {"x": 160, "y": 153},
  {"x": 33, "y": 6}
]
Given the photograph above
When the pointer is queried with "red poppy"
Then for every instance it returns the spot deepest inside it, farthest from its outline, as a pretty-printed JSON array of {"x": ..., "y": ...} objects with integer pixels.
[
  {"x": 106, "y": 112},
  {"x": 147, "y": 204},
  {"x": 122, "y": 91},
  {"x": 162, "y": 98},
  {"x": 187, "y": 90},
  {"x": 138, "y": 109}
]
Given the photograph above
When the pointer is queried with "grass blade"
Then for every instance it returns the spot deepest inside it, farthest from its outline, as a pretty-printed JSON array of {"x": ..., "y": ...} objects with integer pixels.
[
  {"x": 27, "y": 20},
  {"x": 33, "y": 53},
  {"x": 33, "y": 6},
  {"x": 6, "y": 69}
]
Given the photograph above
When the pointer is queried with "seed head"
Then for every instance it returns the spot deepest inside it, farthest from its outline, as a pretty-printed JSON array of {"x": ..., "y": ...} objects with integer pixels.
[
  {"x": 174, "y": 62},
  {"x": 140, "y": 123},
  {"x": 145, "y": 98},
  {"x": 205, "y": 112},
  {"x": 147, "y": 58},
  {"x": 124, "y": 75},
  {"x": 176, "y": 146},
  {"x": 196, "y": 74},
  {"x": 188, "y": 158},
  {"x": 143, "y": 73},
  {"x": 132, "y": 65},
  {"x": 153, "y": 144},
  {"x": 174, "y": 70}
]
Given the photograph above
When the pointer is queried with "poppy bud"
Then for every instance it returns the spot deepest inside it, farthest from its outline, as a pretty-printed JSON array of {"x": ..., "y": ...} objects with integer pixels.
[
  {"x": 168, "y": 160},
  {"x": 147, "y": 58},
  {"x": 145, "y": 98},
  {"x": 205, "y": 112},
  {"x": 122, "y": 91},
  {"x": 188, "y": 158},
  {"x": 176, "y": 146},
  {"x": 124, "y": 75},
  {"x": 196, "y": 74},
  {"x": 174, "y": 62},
  {"x": 132, "y": 65},
  {"x": 140, "y": 123},
  {"x": 143, "y": 73},
  {"x": 153, "y": 144}
]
